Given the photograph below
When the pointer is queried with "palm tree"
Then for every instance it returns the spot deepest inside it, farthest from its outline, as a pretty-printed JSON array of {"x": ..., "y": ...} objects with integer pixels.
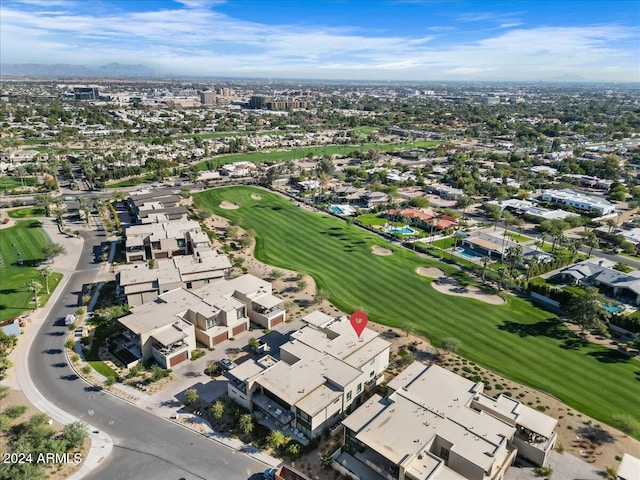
[
  {"x": 21, "y": 172},
  {"x": 85, "y": 206},
  {"x": 35, "y": 287},
  {"x": 611, "y": 223},
  {"x": 46, "y": 273},
  {"x": 485, "y": 262},
  {"x": 574, "y": 246},
  {"x": 592, "y": 242},
  {"x": 513, "y": 255}
]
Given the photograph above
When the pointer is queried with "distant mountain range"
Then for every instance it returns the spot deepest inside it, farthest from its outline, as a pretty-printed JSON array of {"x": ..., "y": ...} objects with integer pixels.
[{"x": 59, "y": 70}]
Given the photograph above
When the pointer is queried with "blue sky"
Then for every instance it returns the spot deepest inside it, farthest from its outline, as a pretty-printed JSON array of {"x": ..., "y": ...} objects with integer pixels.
[{"x": 337, "y": 39}]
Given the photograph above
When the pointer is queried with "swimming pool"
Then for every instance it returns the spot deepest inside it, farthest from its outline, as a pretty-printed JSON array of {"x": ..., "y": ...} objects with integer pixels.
[
  {"x": 403, "y": 231},
  {"x": 613, "y": 308},
  {"x": 344, "y": 210},
  {"x": 470, "y": 254}
]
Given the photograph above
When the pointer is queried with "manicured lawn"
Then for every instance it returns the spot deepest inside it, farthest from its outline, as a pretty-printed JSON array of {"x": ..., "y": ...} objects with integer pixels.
[
  {"x": 517, "y": 340},
  {"x": 93, "y": 358},
  {"x": 10, "y": 183},
  {"x": 516, "y": 237},
  {"x": 27, "y": 212},
  {"x": 132, "y": 182},
  {"x": 445, "y": 243},
  {"x": 24, "y": 243},
  {"x": 320, "y": 150},
  {"x": 372, "y": 219}
]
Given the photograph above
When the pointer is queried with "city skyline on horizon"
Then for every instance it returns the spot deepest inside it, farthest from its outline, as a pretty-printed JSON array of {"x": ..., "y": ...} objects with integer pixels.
[{"x": 401, "y": 40}]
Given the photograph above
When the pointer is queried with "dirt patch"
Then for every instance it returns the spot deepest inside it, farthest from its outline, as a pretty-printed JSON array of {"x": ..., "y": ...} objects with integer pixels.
[
  {"x": 381, "y": 251},
  {"x": 449, "y": 286},
  {"x": 430, "y": 272},
  {"x": 255, "y": 196},
  {"x": 229, "y": 205},
  {"x": 53, "y": 471}
]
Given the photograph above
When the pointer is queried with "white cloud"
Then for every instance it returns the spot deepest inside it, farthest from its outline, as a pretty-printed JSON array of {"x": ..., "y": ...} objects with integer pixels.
[{"x": 192, "y": 38}]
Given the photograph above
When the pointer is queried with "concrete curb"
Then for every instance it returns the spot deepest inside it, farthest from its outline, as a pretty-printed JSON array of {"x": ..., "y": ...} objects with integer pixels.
[{"x": 213, "y": 437}]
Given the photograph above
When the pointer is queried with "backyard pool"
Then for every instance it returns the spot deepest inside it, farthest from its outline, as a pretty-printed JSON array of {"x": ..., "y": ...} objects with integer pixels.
[
  {"x": 403, "y": 231},
  {"x": 613, "y": 308},
  {"x": 344, "y": 210},
  {"x": 470, "y": 254}
]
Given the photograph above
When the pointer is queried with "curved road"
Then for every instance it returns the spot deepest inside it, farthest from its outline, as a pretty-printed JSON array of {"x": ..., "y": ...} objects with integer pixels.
[{"x": 145, "y": 446}]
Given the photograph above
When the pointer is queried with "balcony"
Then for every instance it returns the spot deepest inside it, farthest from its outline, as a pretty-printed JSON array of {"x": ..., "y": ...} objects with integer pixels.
[
  {"x": 268, "y": 406},
  {"x": 533, "y": 439},
  {"x": 169, "y": 349},
  {"x": 263, "y": 316}
]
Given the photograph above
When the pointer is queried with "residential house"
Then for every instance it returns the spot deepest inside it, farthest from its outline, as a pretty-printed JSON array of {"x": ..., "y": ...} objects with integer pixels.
[
  {"x": 629, "y": 468},
  {"x": 346, "y": 195},
  {"x": 436, "y": 425},
  {"x": 579, "y": 201},
  {"x": 445, "y": 191},
  {"x": 413, "y": 216},
  {"x": 323, "y": 372},
  {"x": 152, "y": 333},
  {"x": 141, "y": 284},
  {"x": 495, "y": 243},
  {"x": 163, "y": 240},
  {"x": 599, "y": 272},
  {"x": 218, "y": 310},
  {"x": 526, "y": 207},
  {"x": 156, "y": 206},
  {"x": 374, "y": 199}
]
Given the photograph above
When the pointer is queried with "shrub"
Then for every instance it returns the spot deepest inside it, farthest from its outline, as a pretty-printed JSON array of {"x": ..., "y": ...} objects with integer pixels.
[
  {"x": 14, "y": 411},
  {"x": 86, "y": 369},
  {"x": 627, "y": 424},
  {"x": 196, "y": 354}
]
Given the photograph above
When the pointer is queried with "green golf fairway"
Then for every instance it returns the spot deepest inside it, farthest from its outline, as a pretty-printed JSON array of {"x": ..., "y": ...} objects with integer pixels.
[{"x": 517, "y": 340}]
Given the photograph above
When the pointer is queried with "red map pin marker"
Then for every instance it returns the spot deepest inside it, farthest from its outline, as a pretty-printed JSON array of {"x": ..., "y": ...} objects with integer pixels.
[{"x": 358, "y": 322}]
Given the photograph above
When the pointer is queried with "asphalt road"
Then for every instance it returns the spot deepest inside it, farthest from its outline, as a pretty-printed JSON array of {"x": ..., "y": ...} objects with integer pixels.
[{"x": 145, "y": 446}]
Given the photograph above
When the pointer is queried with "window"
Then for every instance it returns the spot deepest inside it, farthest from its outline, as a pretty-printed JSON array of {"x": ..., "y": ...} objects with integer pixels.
[
  {"x": 359, "y": 388},
  {"x": 444, "y": 453},
  {"x": 181, "y": 243},
  {"x": 189, "y": 285},
  {"x": 241, "y": 312},
  {"x": 349, "y": 396},
  {"x": 372, "y": 361},
  {"x": 211, "y": 322}
]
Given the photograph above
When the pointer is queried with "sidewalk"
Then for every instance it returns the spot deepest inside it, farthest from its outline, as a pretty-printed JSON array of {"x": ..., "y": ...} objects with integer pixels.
[{"x": 101, "y": 444}]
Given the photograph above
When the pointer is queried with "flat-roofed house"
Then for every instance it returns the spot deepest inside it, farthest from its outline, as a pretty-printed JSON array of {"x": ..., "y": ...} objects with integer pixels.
[
  {"x": 217, "y": 311},
  {"x": 161, "y": 205},
  {"x": 161, "y": 240},
  {"x": 629, "y": 468},
  {"x": 323, "y": 372},
  {"x": 436, "y": 425},
  {"x": 158, "y": 335},
  {"x": 141, "y": 284}
]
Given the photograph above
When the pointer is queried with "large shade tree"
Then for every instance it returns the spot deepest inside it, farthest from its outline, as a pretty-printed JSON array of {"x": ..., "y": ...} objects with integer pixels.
[{"x": 586, "y": 310}]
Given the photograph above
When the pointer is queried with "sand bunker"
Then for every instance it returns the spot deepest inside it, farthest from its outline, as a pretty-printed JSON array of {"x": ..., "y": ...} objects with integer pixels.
[
  {"x": 229, "y": 205},
  {"x": 255, "y": 196},
  {"x": 449, "y": 286},
  {"x": 378, "y": 250},
  {"x": 430, "y": 272}
]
